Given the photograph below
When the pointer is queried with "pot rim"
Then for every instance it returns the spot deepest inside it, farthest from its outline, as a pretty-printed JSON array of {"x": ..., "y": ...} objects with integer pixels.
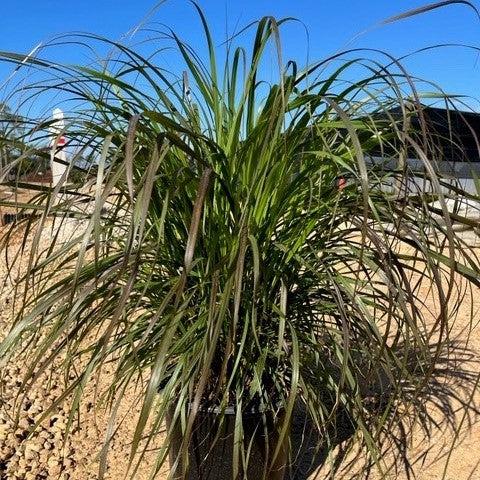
[{"x": 231, "y": 410}]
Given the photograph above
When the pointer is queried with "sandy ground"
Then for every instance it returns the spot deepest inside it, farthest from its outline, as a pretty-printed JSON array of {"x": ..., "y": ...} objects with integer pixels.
[
  {"x": 44, "y": 456},
  {"x": 47, "y": 454}
]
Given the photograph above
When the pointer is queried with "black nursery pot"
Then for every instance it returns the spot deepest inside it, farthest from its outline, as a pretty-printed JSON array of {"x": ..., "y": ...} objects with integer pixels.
[{"x": 213, "y": 460}]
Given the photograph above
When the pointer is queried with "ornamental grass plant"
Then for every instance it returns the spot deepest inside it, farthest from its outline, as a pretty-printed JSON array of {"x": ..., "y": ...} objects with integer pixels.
[{"x": 235, "y": 246}]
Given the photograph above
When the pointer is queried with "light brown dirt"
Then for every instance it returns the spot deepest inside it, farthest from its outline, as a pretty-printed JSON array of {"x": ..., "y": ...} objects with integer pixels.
[
  {"x": 452, "y": 452},
  {"x": 48, "y": 453}
]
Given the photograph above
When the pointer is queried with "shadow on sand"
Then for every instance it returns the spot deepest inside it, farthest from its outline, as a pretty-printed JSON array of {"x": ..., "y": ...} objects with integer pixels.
[{"x": 445, "y": 403}]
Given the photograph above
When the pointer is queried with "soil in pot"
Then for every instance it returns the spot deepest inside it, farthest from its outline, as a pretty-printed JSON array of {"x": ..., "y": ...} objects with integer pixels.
[{"x": 210, "y": 453}]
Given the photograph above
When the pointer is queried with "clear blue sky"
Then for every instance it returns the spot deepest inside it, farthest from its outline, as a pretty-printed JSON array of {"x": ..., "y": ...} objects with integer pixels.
[{"x": 330, "y": 23}]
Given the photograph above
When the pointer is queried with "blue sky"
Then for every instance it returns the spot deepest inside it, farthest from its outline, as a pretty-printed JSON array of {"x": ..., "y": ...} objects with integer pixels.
[{"x": 331, "y": 24}]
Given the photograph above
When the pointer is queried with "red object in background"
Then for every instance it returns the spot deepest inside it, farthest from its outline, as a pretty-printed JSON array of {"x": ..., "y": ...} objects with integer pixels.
[{"x": 342, "y": 183}]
